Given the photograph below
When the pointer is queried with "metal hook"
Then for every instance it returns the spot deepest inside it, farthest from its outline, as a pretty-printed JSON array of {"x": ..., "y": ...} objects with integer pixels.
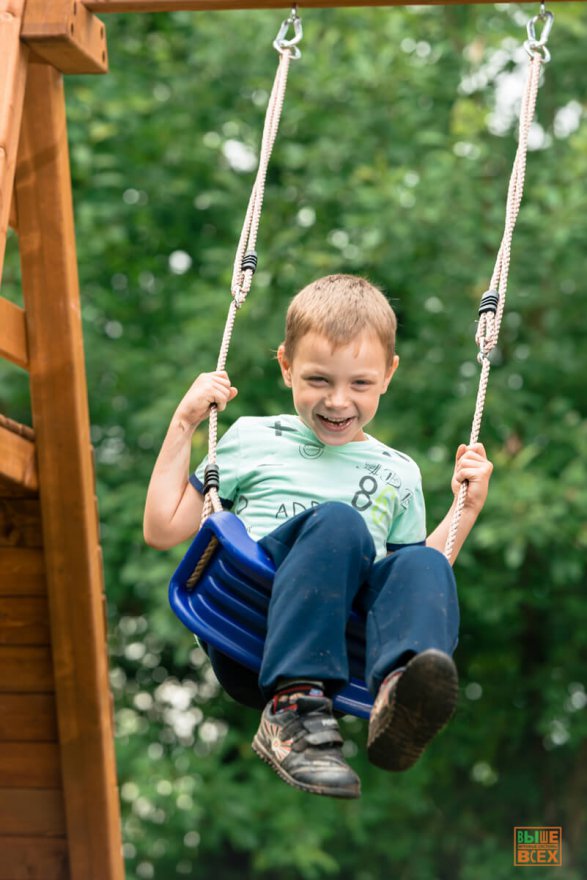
[
  {"x": 281, "y": 44},
  {"x": 534, "y": 44}
]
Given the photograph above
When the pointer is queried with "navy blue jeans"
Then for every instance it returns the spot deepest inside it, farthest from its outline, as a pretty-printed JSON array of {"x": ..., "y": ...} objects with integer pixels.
[{"x": 325, "y": 561}]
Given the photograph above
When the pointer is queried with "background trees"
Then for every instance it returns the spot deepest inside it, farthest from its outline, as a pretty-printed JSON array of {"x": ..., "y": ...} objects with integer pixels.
[{"x": 392, "y": 161}]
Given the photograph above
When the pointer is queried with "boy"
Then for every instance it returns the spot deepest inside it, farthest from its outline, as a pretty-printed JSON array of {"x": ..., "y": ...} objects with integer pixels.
[{"x": 342, "y": 517}]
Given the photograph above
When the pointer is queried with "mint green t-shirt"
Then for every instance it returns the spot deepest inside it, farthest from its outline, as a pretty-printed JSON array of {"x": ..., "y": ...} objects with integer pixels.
[{"x": 274, "y": 467}]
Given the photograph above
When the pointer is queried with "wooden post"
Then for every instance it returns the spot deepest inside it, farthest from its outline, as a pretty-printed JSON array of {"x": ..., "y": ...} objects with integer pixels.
[
  {"x": 69, "y": 514},
  {"x": 13, "y": 68}
]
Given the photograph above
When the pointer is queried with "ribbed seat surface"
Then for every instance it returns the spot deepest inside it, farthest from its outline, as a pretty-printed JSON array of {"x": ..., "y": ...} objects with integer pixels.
[{"x": 228, "y": 606}]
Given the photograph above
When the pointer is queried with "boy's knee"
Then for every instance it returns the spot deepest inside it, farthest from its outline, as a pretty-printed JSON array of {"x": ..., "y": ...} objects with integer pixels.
[
  {"x": 343, "y": 522},
  {"x": 424, "y": 559}
]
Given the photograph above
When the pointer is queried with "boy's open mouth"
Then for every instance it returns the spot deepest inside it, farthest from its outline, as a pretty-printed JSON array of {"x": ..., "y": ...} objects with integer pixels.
[{"x": 335, "y": 424}]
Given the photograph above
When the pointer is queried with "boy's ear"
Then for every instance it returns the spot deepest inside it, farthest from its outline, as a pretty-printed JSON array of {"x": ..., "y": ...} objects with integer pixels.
[
  {"x": 389, "y": 374},
  {"x": 284, "y": 364}
]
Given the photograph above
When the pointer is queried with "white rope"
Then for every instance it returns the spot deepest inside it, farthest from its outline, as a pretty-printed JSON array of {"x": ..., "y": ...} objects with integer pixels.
[
  {"x": 490, "y": 322},
  {"x": 242, "y": 276}
]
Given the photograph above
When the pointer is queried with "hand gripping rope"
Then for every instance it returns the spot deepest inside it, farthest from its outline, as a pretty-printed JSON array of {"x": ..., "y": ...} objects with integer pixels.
[
  {"x": 493, "y": 300},
  {"x": 245, "y": 262}
]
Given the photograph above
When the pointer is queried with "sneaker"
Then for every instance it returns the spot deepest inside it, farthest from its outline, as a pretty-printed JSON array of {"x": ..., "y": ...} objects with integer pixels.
[
  {"x": 412, "y": 706},
  {"x": 302, "y": 743}
]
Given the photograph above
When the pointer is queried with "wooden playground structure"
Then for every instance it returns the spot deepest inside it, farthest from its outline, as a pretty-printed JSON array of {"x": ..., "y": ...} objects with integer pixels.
[{"x": 59, "y": 809}]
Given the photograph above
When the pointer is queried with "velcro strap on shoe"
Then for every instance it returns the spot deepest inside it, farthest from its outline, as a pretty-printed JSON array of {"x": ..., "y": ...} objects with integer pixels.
[{"x": 324, "y": 737}]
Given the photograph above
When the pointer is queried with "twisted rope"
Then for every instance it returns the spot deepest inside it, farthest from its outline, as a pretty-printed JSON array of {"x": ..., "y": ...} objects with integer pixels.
[
  {"x": 242, "y": 275},
  {"x": 245, "y": 263},
  {"x": 487, "y": 334}
]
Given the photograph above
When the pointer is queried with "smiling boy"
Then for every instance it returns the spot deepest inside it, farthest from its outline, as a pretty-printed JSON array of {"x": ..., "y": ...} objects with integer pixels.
[{"x": 342, "y": 516}]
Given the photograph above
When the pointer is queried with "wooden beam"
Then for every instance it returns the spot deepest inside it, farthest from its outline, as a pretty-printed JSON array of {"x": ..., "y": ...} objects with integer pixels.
[
  {"x": 24, "y": 621},
  {"x": 67, "y": 35},
  {"x": 13, "y": 340},
  {"x": 103, "y": 6},
  {"x": 22, "y": 572},
  {"x": 27, "y": 718},
  {"x": 18, "y": 466},
  {"x": 32, "y": 811},
  {"x": 30, "y": 765},
  {"x": 69, "y": 515},
  {"x": 20, "y": 523},
  {"x": 13, "y": 69},
  {"x": 27, "y": 857},
  {"x": 26, "y": 671}
]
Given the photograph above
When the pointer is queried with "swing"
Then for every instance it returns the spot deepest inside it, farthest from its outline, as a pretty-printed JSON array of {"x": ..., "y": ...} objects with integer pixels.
[{"x": 222, "y": 587}]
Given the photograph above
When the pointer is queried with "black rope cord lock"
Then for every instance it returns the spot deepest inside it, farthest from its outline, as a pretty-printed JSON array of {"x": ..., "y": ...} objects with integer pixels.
[
  {"x": 489, "y": 302},
  {"x": 249, "y": 262},
  {"x": 211, "y": 478}
]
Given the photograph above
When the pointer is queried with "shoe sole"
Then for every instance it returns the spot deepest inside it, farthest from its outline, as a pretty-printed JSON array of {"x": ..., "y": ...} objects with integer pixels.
[
  {"x": 261, "y": 751},
  {"x": 422, "y": 703}
]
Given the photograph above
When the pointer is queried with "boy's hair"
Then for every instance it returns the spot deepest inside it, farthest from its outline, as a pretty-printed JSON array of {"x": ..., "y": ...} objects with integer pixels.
[{"x": 340, "y": 307}]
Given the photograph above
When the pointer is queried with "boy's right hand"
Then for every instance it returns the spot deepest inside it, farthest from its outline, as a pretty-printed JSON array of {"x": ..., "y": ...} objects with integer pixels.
[{"x": 208, "y": 389}]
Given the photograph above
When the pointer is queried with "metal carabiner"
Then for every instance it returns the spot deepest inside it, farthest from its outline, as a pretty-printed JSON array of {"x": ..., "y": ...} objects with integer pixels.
[
  {"x": 281, "y": 44},
  {"x": 535, "y": 44}
]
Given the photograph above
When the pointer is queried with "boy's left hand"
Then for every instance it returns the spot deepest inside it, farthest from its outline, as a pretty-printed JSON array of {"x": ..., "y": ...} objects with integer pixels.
[{"x": 472, "y": 464}]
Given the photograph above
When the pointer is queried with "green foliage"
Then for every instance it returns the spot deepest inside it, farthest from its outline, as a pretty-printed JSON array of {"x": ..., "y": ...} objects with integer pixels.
[{"x": 392, "y": 161}]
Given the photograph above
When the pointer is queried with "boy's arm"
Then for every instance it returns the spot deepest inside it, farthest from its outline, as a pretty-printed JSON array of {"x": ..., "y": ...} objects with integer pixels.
[
  {"x": 173, "y": 508},
  {"x": 473, "y": 465}
]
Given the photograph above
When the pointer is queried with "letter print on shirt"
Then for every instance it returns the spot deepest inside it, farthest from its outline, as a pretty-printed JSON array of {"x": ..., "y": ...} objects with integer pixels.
[{"x": 287, "y": 510}]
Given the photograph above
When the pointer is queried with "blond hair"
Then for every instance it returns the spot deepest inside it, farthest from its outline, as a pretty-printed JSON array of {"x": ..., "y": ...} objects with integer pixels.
[{"x": 340, "y": 307}]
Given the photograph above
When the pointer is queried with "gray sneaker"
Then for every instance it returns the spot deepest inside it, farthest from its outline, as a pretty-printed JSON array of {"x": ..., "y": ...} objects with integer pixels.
[
  {"x": 302, "y": 743},
  {"x": 411, "y": 707}
]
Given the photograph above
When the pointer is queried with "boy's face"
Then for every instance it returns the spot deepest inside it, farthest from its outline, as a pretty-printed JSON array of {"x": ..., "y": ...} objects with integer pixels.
[{"x": 336, "y": 391}]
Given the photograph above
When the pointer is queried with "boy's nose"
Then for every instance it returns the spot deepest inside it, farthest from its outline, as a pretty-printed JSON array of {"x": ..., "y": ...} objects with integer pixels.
[{"x": 338, "y": 397}]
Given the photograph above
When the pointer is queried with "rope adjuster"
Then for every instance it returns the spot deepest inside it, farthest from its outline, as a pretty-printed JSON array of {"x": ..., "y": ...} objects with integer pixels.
[
  {"x": 249, "y": 262},
  {"x": 281, "y": 44},
  {"x": 211, "y": 478},
  {"x": 534, "y": 44},
  {"x": 489, "y": 302}
]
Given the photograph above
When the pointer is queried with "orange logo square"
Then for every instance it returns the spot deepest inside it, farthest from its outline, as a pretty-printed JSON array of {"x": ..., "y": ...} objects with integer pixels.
[{"x": 538, "y": 845}]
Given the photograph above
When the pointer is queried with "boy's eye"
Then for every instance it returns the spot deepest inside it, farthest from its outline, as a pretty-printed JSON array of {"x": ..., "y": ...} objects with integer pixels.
[
  {"x": 362, "y": 383},
  {"x": 315, "y": 380}
]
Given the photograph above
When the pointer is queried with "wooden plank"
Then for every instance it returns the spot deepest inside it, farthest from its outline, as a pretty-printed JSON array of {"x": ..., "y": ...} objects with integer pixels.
[
  {"x": 13, "y": 70},
  {"x": 30, "y": 765},
  {"x": 13, "y": 341},
  {"x": 70, "y": 523},
  {"x": 26, "y": 858},
  {"x": 22, "y": 571},
  {"x": 26, "y": 670},
  {"x": 102, "y": 6},
  {"x": 67, "y": 35},
  {"x": 18, "y": 465},
  {"x": 20, "y": 522},
  {"x": 24, "y": 620},
  {"x": 32, "y": 812},
  {"x": 27, "y": 718}
]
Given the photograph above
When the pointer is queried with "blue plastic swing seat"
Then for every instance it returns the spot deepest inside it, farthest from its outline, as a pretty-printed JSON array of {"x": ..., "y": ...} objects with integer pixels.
[{"x": 228, "y": 606}]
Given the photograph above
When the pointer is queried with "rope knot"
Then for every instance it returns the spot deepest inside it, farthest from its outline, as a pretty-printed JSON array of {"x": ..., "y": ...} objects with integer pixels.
[
  {"x": 486, "y": 336},
  {"x": 239, "y": 295}
]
